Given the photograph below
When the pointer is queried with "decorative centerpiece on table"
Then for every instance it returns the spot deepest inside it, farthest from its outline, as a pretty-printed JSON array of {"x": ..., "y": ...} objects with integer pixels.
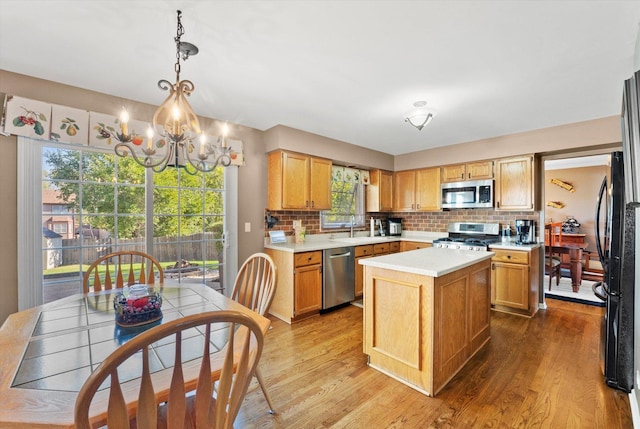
[
  {"x": 570, "y": 226},
  {"x": 137, "y": 305}
]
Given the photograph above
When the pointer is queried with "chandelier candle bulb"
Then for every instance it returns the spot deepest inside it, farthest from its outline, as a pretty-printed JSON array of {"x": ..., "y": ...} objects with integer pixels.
[
  {"x": 124, "y": 118},
  {"x": 149, "y": 139},
  {"x": 203, "y": 142}
]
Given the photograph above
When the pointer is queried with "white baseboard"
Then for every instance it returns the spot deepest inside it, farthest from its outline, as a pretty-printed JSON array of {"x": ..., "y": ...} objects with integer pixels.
[{"x": 635, "y": 411}]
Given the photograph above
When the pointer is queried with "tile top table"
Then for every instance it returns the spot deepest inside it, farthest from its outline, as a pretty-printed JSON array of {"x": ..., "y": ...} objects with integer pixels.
[{"x": 49, "y": 351}]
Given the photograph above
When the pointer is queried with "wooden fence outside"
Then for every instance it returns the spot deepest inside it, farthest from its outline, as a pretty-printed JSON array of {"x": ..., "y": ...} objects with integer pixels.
[{"x": 165, "y": 249}]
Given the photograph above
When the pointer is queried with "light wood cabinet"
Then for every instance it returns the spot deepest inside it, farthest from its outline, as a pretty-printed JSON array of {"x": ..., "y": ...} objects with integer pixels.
[
  {"x": 298, "y": 181},
  {"x": 445, "y": 320},
  {"x": 405, "y": 246},
  {"x": 307, "y": 283},
  {"x": 368, "y": 251},
  {"x": 515, "y": 281},
  {"x": 298, "y": 284},
  {"x": 417, "y": 190},
  {"x": 470, "y": 171},
  {"x": 514, "y": 187},
  {"x": 380, "y": 191}
]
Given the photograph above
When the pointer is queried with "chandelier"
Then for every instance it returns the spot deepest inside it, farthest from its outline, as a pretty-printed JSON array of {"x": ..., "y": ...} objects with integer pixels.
[
  {"x": 178, "y": 127},
  {"x": 420, "y": 116}
]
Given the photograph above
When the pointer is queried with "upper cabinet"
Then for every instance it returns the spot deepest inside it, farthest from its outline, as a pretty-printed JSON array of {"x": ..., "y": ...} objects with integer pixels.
[
  {"x": 380, "y": 191},
  {"x": 417, "y": 190},
  {"x": 471, "y": 171},
  {"x": 298, "y": 181},
  {"x": 514, "y": 188}
]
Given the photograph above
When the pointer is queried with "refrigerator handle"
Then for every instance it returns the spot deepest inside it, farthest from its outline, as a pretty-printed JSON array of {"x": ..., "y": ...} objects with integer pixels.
[
  {"x": 598, "y": 237},
  {"x": 596, "y": 292}
]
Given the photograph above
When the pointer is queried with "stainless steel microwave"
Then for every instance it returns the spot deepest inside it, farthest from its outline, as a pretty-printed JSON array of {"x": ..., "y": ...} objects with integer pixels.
[{"x": 467, "y": 195}]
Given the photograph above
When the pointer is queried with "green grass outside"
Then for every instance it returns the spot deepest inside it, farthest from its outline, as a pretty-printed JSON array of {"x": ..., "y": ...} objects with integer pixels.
[{"x": 74, "y": 269}]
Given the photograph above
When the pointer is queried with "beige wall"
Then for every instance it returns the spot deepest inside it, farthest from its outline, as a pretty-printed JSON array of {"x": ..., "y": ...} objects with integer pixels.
[
  {"x": 281, "y": 137},
  {"x": 253, "y": 178},
  {"x": 252, "y": 187},
  {"x": 577, "y": 136},
  {"x": 579, "y": 204}
]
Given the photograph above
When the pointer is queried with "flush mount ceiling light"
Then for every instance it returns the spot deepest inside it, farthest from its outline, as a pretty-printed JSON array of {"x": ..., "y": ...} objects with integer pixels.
[
  {"x": 178, "y": 126},
  {"x": 420, "y": 116}
]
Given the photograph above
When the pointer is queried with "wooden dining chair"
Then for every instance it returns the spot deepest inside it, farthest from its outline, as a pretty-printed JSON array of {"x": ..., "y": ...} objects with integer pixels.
[
  {"x": 134, "y": 403},
  {"x": 552, "y": 262},
  {"x": 118, "y": 269},
  {"x": 254, "y": 287}
]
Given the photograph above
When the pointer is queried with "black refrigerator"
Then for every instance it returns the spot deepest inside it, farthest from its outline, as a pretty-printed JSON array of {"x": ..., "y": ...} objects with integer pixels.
[{"x": 615, "y": 224}]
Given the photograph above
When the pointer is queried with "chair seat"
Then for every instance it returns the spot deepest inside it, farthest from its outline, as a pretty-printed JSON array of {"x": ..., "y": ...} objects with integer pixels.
[{"x": 552, "y": 261}]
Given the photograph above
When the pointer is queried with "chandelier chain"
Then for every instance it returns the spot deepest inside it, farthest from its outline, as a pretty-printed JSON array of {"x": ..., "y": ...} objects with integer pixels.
[{"x": 179, "y": 33}]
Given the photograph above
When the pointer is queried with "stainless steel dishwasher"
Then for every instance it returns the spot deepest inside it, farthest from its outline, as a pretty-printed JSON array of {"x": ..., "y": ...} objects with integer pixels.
[{"x": 338, "y": 276}]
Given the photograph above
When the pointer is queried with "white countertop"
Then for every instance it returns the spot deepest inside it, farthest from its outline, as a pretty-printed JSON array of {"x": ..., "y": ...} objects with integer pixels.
[
  {"x": 323, "y": 241},
  {"x": 432, "y": 262}
]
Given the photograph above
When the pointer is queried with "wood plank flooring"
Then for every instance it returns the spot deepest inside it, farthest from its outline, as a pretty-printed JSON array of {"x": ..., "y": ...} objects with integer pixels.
[{"x": 534, "y": 373}]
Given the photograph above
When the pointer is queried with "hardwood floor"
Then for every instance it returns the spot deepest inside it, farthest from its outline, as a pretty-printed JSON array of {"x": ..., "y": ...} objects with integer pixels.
[{"x": 534, "y": 373}]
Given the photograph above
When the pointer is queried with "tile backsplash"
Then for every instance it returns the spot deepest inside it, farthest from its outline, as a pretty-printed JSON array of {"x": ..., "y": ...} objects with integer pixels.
[{"x": 411, "y": 221}]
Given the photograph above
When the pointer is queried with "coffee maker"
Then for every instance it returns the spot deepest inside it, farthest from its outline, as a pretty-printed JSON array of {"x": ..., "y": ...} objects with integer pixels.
[{"x": 525, "y": 231}]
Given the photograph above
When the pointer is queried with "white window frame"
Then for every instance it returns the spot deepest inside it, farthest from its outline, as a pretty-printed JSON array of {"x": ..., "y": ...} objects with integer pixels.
[{"x": 29, "y": 207}]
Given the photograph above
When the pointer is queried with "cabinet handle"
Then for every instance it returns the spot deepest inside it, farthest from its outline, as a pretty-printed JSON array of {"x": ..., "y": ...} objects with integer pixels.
[
  {"x": 313, "y": 204},
  {"x": 306, "y": 204},
  {"x": 508, "y": 256},
  {"x": 418, "y": 206},
  {"x": 462, "y": 176},
  {"x": 469, "y": 175},
  {"x": 493, "y": 267}
]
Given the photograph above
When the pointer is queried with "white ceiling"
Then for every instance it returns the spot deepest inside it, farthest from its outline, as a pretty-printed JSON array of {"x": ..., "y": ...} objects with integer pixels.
[{"x": 348, "y": 70}]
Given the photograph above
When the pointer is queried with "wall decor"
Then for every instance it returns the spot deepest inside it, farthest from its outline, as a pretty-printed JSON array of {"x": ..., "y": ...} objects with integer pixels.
[
  {"x": 555, "y": 204},
  {"x": 103, "y": 128},
  {"x": 69, "y": 125},
  {"x": 28, "y": 118},
  {"x": 564, "y": 185}
]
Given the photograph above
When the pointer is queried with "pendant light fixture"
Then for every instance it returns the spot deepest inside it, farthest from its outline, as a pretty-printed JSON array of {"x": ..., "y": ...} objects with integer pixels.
[{"x": 178, "y": 127}]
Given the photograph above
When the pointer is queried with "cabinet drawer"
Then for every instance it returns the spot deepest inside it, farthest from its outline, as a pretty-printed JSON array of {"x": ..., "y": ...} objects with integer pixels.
[
  {"x": 364, "y": 250},
  {"x": 394, "y": 247},
  {"x": 307, "y": 258},
  {"x": 513, "y": 256},
  {"x": 380, "y": 248}
]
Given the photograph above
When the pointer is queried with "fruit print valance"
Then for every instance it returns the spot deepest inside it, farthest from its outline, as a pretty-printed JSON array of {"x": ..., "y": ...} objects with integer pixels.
[{"x": 45, "y": 121}]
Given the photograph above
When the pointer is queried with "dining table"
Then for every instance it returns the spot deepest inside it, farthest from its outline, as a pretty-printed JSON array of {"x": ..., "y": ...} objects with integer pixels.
[
  {"x": 574, "y": 250},
  {"x": 50, "y": 350}
]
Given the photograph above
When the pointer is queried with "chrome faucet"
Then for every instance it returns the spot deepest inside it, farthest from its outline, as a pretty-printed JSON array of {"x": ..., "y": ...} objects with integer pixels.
[
  {"x": 380, "y": 228},
  {"x": 353, "y": 220}
]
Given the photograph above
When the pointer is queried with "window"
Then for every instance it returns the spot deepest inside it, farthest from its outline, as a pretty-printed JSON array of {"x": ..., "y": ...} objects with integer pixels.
[
  {"x": 347, "y": 199},
  {"x": 110, "y": 204}
]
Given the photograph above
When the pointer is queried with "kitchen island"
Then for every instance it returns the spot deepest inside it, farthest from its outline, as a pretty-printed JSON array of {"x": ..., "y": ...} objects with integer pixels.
[{"x": 426, "y": 313}]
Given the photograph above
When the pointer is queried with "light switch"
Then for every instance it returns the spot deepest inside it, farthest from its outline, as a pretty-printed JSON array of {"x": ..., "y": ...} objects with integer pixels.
[
  {"x": 296, "y": 224},
  {"x": 247, "y": 227}
]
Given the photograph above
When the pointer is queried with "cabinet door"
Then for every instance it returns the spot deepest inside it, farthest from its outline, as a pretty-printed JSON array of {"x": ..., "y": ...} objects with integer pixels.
[
  {"x": 510, "y": 285},
  {"x": 320, "y": 184},
  {"x": 428, "y": 189},
  {"x": 404, "y": 190},
  {"x": 359, "y": 278},
  {"x": 453, "y": 173},
  {"x": 380, "y": 191},
  {"x": 307, "y": 289},
  {"x": 479, "y": 170},
  {"x": 386, "y": 191},
  {"x": 295, "y": 183},
  {"x": 514, "y": 184}
]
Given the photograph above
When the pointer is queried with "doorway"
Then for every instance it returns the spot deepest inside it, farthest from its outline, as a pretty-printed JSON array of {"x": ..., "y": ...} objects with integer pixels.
[{"x": 570, "y": 190}]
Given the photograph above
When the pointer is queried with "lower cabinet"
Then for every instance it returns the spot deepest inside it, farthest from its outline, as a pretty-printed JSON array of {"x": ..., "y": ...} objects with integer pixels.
[
  {"x": 515, "y": 281},
  {"x": 307, "y": 283},
  {"x": 298, "y": 284},
  {"x": 405, "y": 246}
]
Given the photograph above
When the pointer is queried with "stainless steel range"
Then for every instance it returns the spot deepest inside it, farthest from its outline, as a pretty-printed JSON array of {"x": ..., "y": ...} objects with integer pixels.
[{"x": 469, "y": 236}]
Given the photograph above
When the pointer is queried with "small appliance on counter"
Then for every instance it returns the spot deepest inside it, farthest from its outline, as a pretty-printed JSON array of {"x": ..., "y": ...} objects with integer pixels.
[
  {"x": 395, "y": 226},
  {"x": 525, "y": 231}
]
